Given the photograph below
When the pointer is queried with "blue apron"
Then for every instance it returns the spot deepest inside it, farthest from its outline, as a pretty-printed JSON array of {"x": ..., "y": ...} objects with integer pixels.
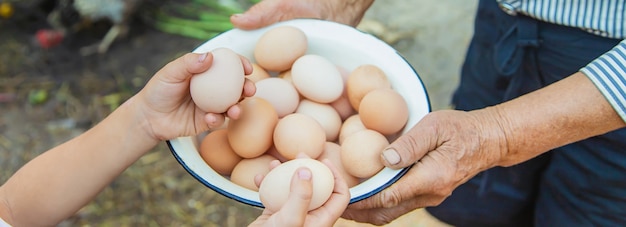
[{"x": 581, "y": 184}]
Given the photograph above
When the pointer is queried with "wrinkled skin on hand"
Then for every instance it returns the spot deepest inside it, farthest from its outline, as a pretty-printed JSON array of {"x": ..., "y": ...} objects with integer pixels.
[
  {"x": 267, "y": 12},
  {"x": 448, "y": 148}
]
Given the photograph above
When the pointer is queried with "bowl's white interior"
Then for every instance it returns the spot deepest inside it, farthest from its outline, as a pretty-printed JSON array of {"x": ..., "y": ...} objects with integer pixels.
[{"x": 346, "y": 47}]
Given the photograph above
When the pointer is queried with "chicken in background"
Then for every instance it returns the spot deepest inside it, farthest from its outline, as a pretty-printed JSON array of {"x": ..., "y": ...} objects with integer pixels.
[{"x": 70, "y": 16}]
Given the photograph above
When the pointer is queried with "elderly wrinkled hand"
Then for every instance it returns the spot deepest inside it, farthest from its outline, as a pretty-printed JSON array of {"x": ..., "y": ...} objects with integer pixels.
[
  {"x": 267, "y": 12},
  {"x": 446, "y": 149}
]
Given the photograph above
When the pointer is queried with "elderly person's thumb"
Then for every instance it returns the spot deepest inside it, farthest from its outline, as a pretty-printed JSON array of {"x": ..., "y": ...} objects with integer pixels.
[
  {"x": 260, "y": 15},
  {"x": 413, "y": 145}
]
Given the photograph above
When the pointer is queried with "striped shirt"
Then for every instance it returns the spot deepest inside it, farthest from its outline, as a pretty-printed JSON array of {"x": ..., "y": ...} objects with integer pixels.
[{"x": 606, "y": 18}]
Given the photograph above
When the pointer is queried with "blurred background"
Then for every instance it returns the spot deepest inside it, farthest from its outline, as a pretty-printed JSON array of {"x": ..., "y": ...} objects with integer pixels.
[{"x": 62, "y": 71}]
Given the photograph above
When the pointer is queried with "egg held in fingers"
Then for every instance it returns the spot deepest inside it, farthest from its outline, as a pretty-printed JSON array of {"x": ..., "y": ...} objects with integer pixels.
[
  {"x": 220, "y": 87},
  {"x": 275, "y": 187}
]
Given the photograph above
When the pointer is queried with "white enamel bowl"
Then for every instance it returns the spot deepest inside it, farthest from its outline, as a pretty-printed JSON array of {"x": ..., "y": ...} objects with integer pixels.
[{"x": 342, "y": 45}]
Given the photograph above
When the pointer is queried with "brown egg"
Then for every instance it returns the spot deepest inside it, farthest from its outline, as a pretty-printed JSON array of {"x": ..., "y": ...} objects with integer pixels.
[
  {"x": 364, "y": 79},
  {"x": 360, "y": 153},
  {"x": 258, "y": 73},
  {"x": 299, "y": 133},
  {"x": 279, "y": 47},
  {"x": 244, "y": 172},
  {"x": 217, "y": 153},
  {"x": 350, "y": 126},
  {"x": 343, "y": 107},
  {"x": 332, "y": 152},
  {"x": 324, "y": 114},
  {"x": 251, "y": 134},
  {"x": 384, "y": 110}
]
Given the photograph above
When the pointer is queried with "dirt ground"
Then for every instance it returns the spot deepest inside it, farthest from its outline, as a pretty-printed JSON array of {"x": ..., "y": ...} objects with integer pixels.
[{"x": 48, "y": 96}]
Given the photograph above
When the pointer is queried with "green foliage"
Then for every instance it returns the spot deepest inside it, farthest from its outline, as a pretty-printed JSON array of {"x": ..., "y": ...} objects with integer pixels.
[
  {"x": 37, "y": 96},
  {"x": 198, "y": 19}
]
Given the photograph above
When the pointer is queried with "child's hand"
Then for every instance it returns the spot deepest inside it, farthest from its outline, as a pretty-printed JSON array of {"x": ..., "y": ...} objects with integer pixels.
[
  {"x": 294, "y": 212},
  {"x": 165, "y": 103}
]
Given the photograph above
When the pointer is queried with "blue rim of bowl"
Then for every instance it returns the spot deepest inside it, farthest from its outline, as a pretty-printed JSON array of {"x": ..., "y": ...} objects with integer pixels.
[
  {"x": 391, "y": 181},
  {"x": 211, "y": 186}
]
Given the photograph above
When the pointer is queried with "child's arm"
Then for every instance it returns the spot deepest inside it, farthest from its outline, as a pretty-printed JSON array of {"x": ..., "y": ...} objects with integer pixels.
[{"x": 54, "y": 185}]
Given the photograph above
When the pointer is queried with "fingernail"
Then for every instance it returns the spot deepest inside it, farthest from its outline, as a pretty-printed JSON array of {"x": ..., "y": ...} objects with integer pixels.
[
  {"x": 391, "y": 156},
  {"x": 237, "y": 15},
  {"x": 304, "y": 174},
  {"x": 202, "y": 57},
  {"x": 211, "y": 119}
]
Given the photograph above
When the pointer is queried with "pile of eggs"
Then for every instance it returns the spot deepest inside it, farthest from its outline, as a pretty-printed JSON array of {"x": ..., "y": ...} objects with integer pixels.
[{"x": 304, "y": 103}]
